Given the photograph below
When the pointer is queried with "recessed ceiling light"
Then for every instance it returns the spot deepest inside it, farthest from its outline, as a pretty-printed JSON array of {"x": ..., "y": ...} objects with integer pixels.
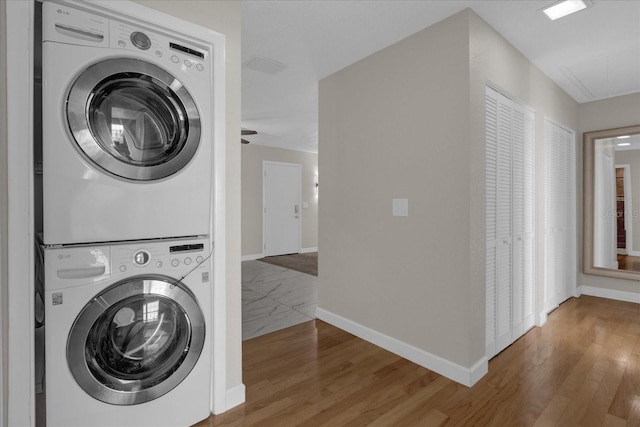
[
  {"x": 624, "y": 137},
  {"x": 565, "y": 7},
  {"x": 623, "y": 144}
]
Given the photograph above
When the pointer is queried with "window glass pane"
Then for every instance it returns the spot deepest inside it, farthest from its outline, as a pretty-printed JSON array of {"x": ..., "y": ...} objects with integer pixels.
[
  {"x": 138, "y": 342},
  {"x": 137, "y": 119}
]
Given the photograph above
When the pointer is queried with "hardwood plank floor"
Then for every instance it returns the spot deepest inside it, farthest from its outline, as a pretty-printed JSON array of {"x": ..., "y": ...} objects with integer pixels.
[{"x": 581, "y": 369}]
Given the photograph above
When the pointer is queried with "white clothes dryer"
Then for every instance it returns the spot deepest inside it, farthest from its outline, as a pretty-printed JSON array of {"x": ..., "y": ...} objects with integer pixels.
[
  {"x": 127, "y": 129},
  {"x": 126, "y": 339}
]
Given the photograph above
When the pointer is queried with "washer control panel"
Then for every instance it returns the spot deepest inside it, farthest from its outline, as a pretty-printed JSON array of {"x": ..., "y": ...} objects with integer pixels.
[{"x": 160, "y": 256}]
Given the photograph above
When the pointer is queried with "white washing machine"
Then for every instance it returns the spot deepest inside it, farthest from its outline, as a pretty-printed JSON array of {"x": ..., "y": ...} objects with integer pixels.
[
  {"x": 127, "y": 129},
  {"x": 126, "y": 339}
]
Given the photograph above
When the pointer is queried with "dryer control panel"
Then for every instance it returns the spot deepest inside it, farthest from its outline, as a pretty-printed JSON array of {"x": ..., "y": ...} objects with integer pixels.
[{"x": 64, "y": 24}]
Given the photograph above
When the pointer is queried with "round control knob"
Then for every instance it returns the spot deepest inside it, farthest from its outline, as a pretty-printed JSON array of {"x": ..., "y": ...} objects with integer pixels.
[
  {"x": 140, "y": 40},
  {"x": 174, "y": 59},
  {"x": 187, "y": 261},
  {"x": 122, "y": 43},
  {"x": 199, "y": 67},
  {"x": 199, "y": 259},
  {"x": 175, "y": 262},
  {"x": 187, "y": 63},
  {"x": 123, "y": 268},
  {"x": 141, "y": 258},
  {"x": 159, "y": 264}
]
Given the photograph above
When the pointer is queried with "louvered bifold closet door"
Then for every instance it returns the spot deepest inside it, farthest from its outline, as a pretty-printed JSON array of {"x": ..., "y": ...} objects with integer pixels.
[
  {"x": 504, "y": 294},
  {"x": 559, "y": 221},
  {"x": 510, "y": 200},
  {"x": 523, "y": 249},
  {"x": 498, "y": 217},
  {"x": 491, "y": 212}
]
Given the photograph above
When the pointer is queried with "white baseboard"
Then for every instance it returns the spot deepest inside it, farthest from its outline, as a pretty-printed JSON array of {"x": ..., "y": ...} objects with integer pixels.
[
  {"x": 258, "y": 256},
  {"x": 235, "y": 396},
  {"x": 610, "y": 294},
  {"x": 251, "y": 257},
  {"x": 451, "y": 370}
]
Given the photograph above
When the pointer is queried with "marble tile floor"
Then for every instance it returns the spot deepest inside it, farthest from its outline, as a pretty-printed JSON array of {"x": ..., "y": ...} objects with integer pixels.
[{"x": 275, "y": 298}]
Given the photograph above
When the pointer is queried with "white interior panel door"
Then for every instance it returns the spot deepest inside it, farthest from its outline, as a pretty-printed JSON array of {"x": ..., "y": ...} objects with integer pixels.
[{"x": 281, "y": 208}]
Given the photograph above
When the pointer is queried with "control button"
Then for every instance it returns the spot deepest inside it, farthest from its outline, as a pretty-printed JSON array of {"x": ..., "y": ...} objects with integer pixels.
[
  {"x": 187, "y": 63},
  {"x": 140, "y": 40},
  {"x": 121, "y": 43},
  {"x": 199, "y": 67},
  {"x": 159, "y": 264},
  {"x": 187, "y": 261},
  {"x": 175, "y": 262},
  {"x": 141, "y": 258},
  {"x": 158, "y": 54},
  {"x": 174, "y": 59},
  {"x": 123, "y": 268},
  {"x": 199, "y": 259}
]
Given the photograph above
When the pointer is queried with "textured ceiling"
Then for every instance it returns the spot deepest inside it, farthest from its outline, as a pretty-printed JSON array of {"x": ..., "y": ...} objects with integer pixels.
[{"x": 289, "y": 45}]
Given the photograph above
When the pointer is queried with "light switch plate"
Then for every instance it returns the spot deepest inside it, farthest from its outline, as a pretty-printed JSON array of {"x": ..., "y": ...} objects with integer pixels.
[{"x": 400, "y": 207}]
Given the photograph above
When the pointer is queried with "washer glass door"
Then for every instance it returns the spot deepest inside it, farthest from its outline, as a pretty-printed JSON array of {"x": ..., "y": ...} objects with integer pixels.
[
  {"x": 136, "y": 341},
  {"x": 133, "y": 119}
]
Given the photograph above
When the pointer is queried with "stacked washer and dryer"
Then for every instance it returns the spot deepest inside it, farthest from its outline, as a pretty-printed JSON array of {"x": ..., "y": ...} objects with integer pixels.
[{"x": 127, "y": 170}]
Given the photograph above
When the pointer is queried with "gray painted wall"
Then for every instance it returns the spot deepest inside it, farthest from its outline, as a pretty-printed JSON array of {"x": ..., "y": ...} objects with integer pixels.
[{"x": 408, "y": 122}]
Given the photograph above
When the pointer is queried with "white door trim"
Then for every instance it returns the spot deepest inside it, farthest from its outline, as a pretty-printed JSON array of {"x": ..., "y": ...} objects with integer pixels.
[
  {"x": 20, "y": 377},
  {"x": 264, "y": 196}
]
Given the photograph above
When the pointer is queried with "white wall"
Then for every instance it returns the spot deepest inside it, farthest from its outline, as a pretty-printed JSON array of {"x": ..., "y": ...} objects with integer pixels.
[
  {"x": 18, "y": 272},
  {"x": 408, "y": 122},
  {"x": 252, "y": 158},
  {"x": 3, "y": 217},
  {"x": 620, "y": 111}
]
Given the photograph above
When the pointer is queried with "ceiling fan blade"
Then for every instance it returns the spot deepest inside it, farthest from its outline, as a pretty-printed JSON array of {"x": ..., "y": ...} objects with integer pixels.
[
  {"x": 248, "y": 132},
  {"x": 244, "y": 141}
]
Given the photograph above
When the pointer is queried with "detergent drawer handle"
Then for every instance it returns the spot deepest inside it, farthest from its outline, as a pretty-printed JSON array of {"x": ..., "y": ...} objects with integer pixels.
[
  {"x": 79, "y": 33},
  {"x": 81, "y": 273}
]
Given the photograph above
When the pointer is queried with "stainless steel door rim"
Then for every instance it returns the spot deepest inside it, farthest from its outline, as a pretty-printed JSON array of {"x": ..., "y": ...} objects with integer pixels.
[
  {"x": 120, "y": 106},
  {"x": 136, "y": 340}
]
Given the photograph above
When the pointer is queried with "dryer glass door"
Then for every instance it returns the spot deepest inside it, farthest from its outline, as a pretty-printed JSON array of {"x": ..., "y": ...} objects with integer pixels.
[
  {"x": 133, "y": 119},
  {"x": 136, "y": 341}
]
